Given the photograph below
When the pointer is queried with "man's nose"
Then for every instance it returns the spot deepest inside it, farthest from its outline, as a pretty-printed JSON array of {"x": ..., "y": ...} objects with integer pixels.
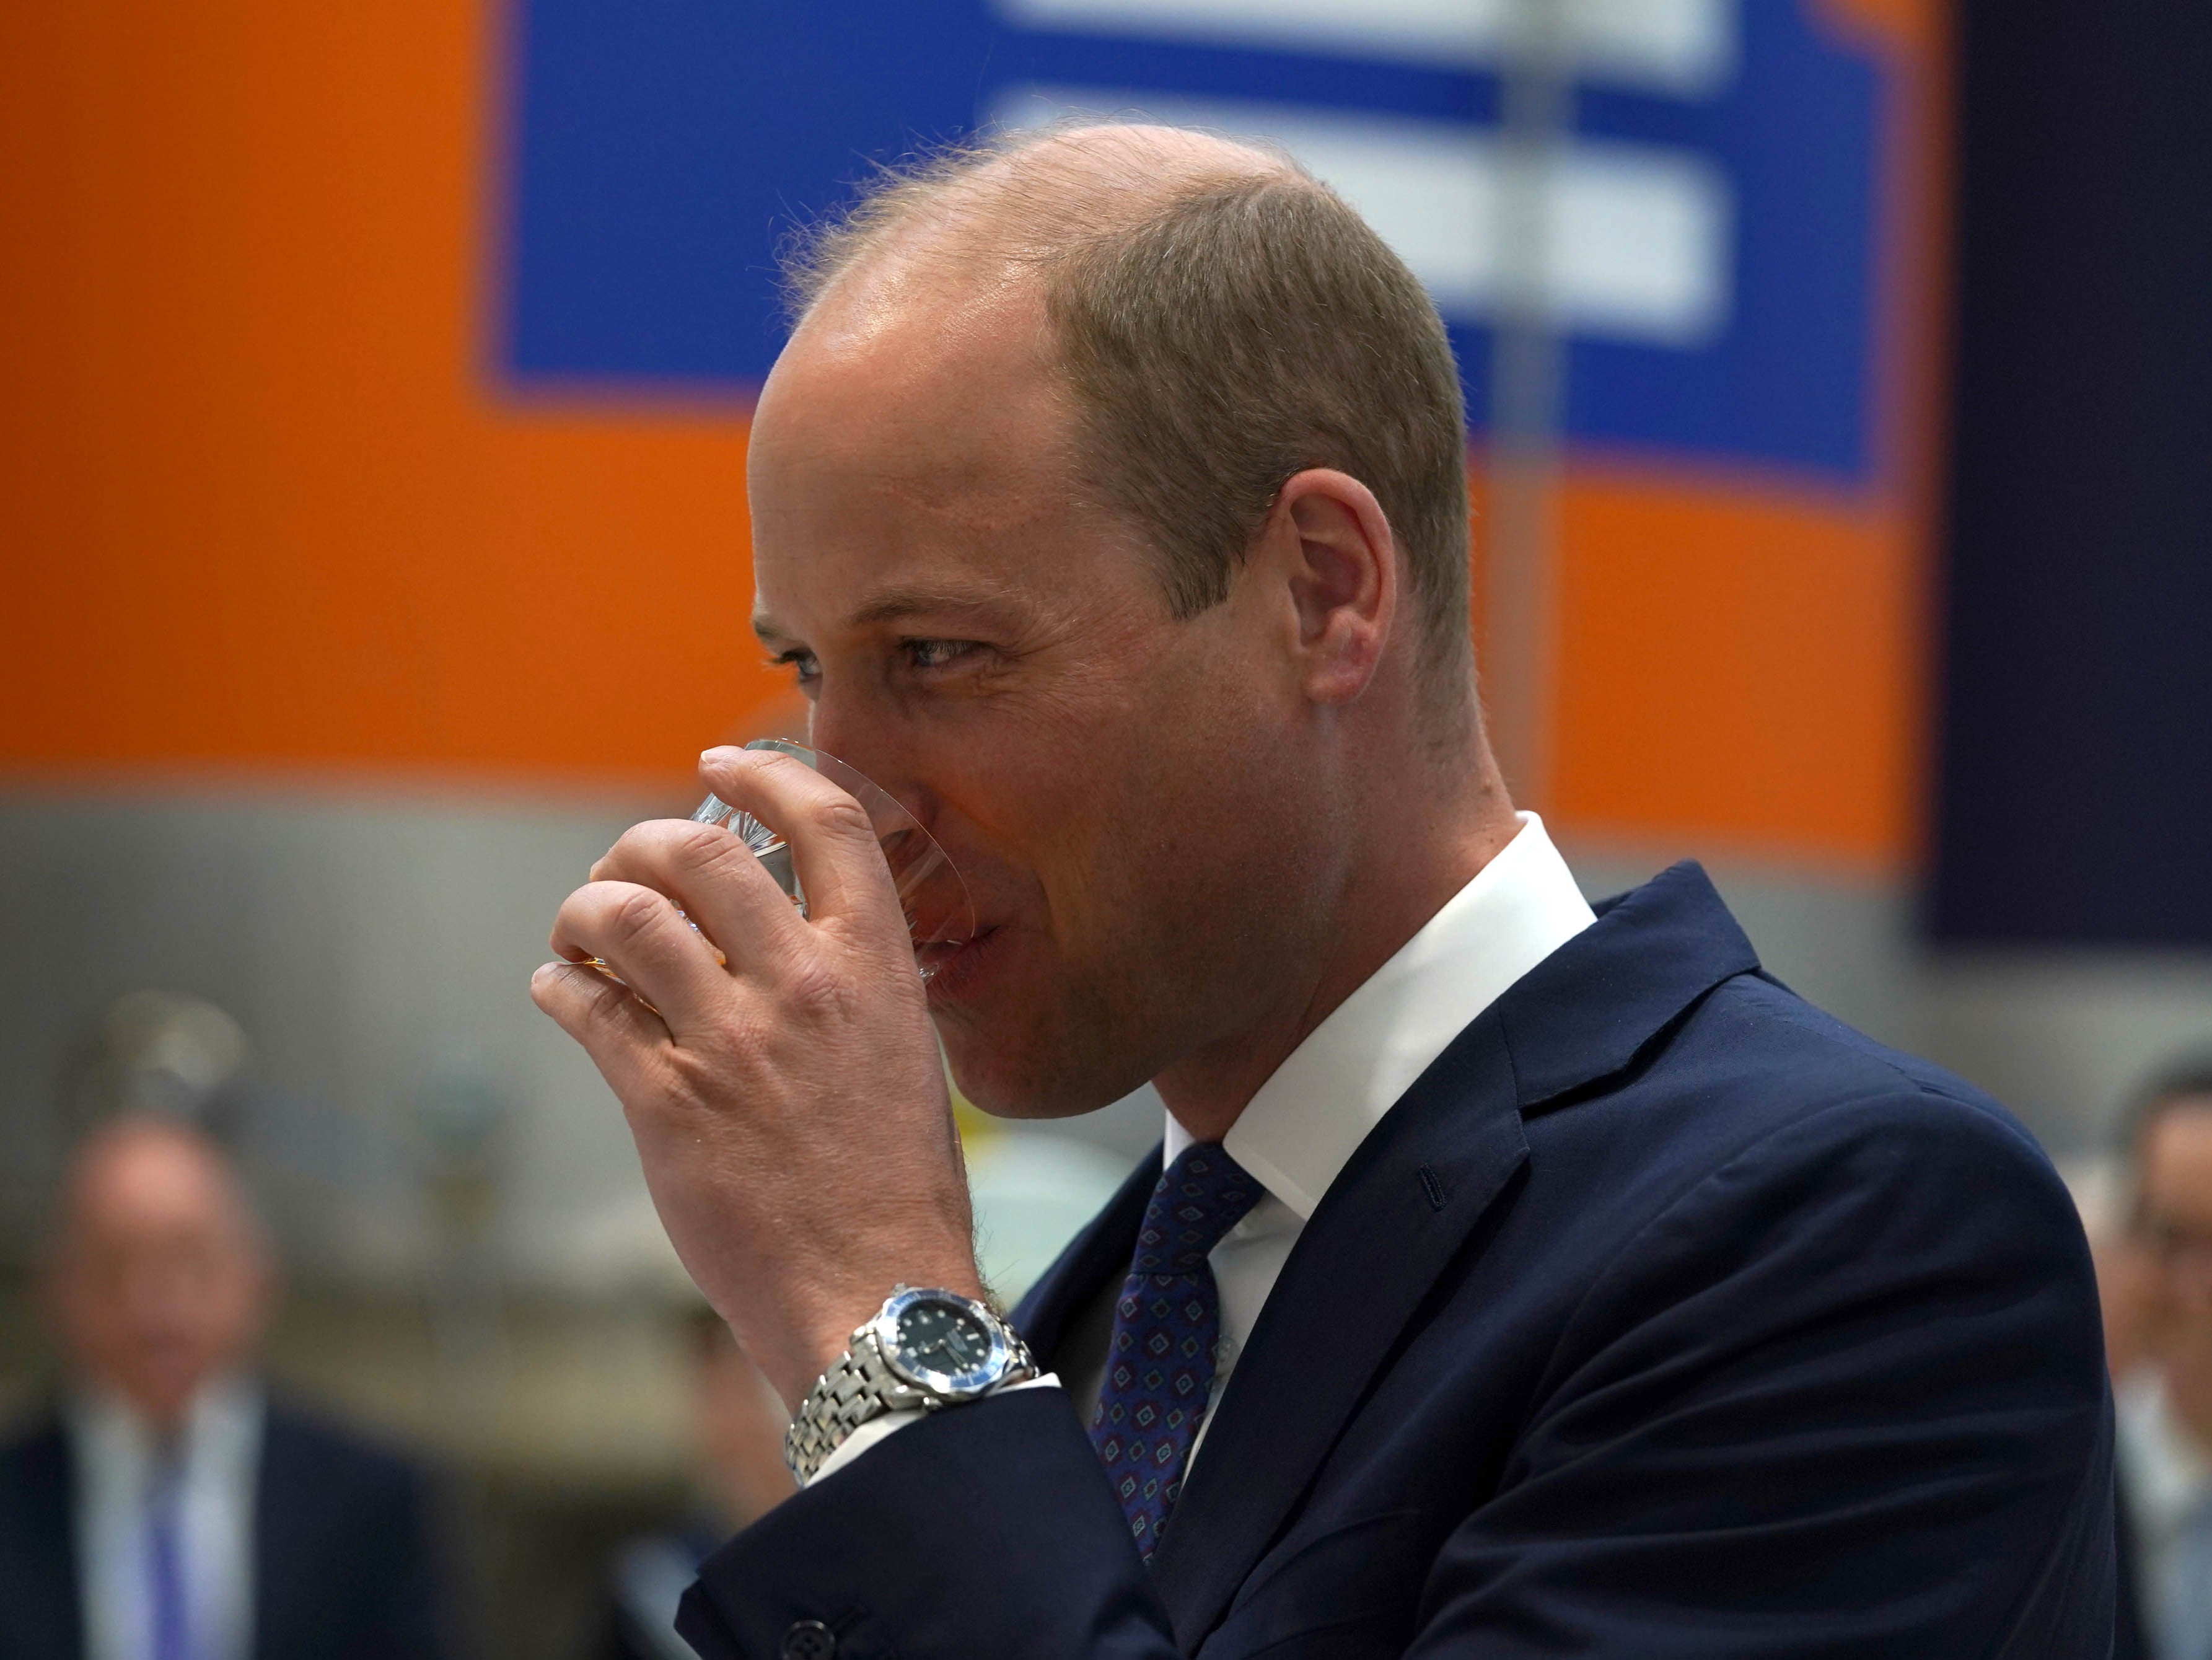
[{"x": 864, "y": 736}]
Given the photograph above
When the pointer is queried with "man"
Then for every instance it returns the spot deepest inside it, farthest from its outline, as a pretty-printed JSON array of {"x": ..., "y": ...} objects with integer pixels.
[
  {"x": 1519, "y": 1281},
  {"x": 737, "y": 1433},
  {"x": 171, "y": 1512},
  {"x": 2160, "y": 1281}
]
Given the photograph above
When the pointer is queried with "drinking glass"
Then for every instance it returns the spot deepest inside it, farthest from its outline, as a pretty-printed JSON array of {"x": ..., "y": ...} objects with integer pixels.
[{"x": 940, "y": 915}]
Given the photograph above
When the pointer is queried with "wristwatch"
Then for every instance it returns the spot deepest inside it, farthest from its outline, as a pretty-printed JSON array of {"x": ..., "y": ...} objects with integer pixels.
[{"x": 925, "y": 1348}]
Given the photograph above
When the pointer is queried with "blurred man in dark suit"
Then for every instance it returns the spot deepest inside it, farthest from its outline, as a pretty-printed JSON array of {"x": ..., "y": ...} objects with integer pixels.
[
  {"x": 736, "y": 1431},
  {"x": 2158, "y": 1290},
  {"x": 169, "y": 1510}
]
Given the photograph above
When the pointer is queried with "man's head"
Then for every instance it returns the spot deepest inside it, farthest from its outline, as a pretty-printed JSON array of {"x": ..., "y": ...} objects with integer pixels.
[
  {"x": 1110, "y": 501},
  {"x": 2168, "y": 1147},
  {"x": 738, "y": 1423},
  {"x": 157, "y": 1278}
]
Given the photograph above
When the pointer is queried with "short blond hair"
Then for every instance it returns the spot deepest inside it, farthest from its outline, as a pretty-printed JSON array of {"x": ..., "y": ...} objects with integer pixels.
[{"x": 1225, "y": 320}]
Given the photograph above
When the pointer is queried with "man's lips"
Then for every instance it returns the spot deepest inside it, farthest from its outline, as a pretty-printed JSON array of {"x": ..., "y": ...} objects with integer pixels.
[{"x": 959, "y": 970}]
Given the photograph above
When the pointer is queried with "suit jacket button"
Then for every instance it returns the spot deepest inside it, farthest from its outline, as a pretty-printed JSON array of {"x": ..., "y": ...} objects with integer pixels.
[{"x": 810, "y": 1639}]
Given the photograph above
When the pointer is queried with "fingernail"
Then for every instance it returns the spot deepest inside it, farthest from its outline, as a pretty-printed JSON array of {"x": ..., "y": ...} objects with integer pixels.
[{"x": 721, "y": 753}]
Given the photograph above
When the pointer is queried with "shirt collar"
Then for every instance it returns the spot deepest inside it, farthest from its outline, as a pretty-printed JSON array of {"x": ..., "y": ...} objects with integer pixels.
[
  {"x": 2168, "y": 1476},
  {"x": 1297, "y": 1132},
  {"x": 220, "y": 1432}
]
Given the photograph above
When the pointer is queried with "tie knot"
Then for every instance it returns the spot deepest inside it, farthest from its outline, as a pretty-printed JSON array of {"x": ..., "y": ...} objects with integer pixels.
[
  {"x": 165, "y": 1477},
  {"x": 1200, "y": 1197}
]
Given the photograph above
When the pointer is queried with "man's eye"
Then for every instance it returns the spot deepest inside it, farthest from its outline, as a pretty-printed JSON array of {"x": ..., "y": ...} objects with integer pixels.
[
  {"x": 804, "y": 665},
  {"x": 938, "y": 654}
]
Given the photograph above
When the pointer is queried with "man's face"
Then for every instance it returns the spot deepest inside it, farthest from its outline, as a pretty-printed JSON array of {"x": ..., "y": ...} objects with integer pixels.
[
  {"x": 158, "y": 1284},
  {"x": 2174, "y": 1219},
  {"x": 1120, "y": 789},
  {"x": 738, "y": 1424}
]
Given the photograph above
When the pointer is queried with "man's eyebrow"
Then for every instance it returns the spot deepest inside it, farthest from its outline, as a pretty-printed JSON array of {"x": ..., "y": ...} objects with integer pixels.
[
  {"x": 906, "y": 602},
  {"x": 890, "y": 606}
]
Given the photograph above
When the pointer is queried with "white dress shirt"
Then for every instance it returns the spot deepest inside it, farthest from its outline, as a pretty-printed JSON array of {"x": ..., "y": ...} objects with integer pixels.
[
  {"x": 2167, "y": 1476},
  {"x": 2167, "y": 1479},
  {"x": 117, "y": 1462},
  {"x": 1296, "y": 1134}
]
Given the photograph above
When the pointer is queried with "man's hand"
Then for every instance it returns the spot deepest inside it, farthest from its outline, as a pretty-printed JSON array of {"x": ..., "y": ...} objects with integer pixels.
[{"x": 790, "y": 1108}]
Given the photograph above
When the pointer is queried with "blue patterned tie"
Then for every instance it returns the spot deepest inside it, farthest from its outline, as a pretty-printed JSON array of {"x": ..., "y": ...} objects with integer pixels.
[
  {"x": 1159, "y": 1366},
  {"x": 168, "y": 1615}
]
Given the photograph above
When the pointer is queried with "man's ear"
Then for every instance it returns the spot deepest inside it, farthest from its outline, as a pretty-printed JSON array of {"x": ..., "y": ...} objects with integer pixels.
[{"x": 1336, "y": 553}]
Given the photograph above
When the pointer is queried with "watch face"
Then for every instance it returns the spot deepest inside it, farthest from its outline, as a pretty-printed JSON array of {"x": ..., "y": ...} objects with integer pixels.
[
  {"x": 943, "y": 1338},
  {"x": 942, "y": 1343}
]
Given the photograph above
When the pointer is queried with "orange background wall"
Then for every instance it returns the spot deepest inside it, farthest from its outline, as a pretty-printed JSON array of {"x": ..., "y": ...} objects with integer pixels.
[
  {"x": 264, "y": 505},
  {"x": 1744, "y": 660}
]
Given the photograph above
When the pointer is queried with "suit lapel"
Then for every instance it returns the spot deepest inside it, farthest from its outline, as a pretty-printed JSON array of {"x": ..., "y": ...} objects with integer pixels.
[
  {"x": 282, "y": 1622},
  {"x": 38, "y": 1530},
  {"x": 1405, "y": 1205},
  {"x": 1400, "y": 1212},
  {"x": 1101, "y": 1251}
]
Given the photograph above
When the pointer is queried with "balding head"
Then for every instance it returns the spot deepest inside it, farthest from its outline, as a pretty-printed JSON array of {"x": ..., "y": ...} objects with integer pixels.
[
  {"x": 158, "y": 1280},
  {"x": 1220, "y": 320},
  {"x": 995, "y": 212}
]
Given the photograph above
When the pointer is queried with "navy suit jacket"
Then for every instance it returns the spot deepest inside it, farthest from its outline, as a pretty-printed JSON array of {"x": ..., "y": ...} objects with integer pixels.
[
  {"x": 2130, "y": 1638},
  {"x": 1663, "y": 1316},
  {"x": 343, "y": 1568}
]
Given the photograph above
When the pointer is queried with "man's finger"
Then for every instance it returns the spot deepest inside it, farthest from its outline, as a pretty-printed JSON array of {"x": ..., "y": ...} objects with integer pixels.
[
  {"x": 616, "y": 1029},
  {"x": 716, "y": 879},
  {"x": 637, "y": 933},
  {"x": 840, "y": 863}
]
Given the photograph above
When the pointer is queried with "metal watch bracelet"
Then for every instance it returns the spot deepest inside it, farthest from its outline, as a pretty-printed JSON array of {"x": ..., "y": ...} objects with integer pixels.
[{"x": 862, "y": 1386}]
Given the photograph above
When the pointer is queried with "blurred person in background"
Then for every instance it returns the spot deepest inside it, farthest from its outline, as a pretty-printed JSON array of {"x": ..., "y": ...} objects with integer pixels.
[
  {"x": 736, "y": 1428},
  {"x": 2157, "y": 1285},
  {"x": 169, "y": 1509}
]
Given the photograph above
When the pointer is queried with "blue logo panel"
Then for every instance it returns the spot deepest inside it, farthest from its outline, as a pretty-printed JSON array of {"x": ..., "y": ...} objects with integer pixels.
[{"x": 1718, "y": 298}]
